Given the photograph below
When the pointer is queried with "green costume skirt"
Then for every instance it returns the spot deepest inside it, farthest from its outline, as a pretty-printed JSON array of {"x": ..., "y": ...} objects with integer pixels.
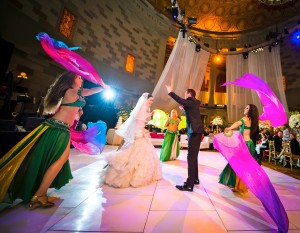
[
  {"x": 228, "y": 176},
  {"x": 23, "y": 167},
  {"x": 170, "y": 147}
]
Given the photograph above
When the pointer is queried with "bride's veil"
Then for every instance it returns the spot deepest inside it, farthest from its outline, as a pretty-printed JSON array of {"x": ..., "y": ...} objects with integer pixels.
[{"x": 140, "y": 112}]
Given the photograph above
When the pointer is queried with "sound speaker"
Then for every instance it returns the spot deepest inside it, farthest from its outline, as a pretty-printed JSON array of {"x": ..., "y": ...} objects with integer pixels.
[
  {"x": 6, "y": 51},
  {"x": 32, "y": 122}
]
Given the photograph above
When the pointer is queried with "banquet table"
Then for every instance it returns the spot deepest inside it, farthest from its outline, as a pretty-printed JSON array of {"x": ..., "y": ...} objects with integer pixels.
[{"x": 112, "y": 138}]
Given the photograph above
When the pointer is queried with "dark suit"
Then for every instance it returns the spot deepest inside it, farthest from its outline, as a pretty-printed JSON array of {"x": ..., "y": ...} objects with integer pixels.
[
  {"x": 295, "y": 147},
  {"x": 278, "y": 143},
  {"x": 194, "y": 131}
]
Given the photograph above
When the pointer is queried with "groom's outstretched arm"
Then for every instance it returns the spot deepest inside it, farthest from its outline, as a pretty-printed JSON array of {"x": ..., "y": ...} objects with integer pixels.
[{"x": 180, "y": 100}]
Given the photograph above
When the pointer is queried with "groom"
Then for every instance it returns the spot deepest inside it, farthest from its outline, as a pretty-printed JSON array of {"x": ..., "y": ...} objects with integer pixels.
[{"x": 194, "y": 131}]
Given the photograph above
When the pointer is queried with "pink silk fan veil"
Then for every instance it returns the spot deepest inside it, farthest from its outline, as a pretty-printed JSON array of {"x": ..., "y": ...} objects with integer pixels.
[
  {"x": 236, "y": 152},
  {"x": 63, "y": 55}
]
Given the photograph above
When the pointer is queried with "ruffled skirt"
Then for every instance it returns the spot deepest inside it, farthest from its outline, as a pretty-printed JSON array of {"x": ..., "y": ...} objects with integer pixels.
[{"x": 136, "y": 165}]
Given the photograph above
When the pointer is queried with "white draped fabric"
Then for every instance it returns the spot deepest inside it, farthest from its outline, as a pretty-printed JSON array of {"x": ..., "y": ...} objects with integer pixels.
[
  {"x": 266, "y": 65},
  {"x": 185, "y": 69}
]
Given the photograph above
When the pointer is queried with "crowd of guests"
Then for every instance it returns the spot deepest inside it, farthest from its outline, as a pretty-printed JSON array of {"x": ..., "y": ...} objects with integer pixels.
[{"x": 280, "y": 136}]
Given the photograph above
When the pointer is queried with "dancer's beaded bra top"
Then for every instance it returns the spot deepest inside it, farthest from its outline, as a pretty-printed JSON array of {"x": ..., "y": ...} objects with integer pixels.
[{"x": 80, "y": 102}]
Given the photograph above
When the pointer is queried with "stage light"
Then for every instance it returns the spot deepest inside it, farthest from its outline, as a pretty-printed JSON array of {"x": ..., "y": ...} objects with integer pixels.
[
  {"x": 218, "y": 59},
  {"x": 245, "y": 55},
  {"x": 182, "y": 12},
  {"x": 174, "y": 12},
  {"x": 296, "y": 37},
  {"x": 109, "y": 94},
  {"x": 198, "y": 48}
]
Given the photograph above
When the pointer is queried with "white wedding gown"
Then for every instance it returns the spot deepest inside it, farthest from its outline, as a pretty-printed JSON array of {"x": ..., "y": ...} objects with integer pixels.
[{"x": 136, "y": 163}]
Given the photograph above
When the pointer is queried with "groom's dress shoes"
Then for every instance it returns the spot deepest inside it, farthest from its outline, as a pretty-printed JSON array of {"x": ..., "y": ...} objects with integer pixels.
[
  {"x": 195, "y": 183},
  {"x": 184, "y": 188}
]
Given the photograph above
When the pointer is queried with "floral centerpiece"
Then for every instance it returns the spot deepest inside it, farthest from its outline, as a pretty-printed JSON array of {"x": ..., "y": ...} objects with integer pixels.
[
  {"x": 294, "y": 120},
  {"x": 217, "y": 121},
  {"x": 264, "y": 125}
]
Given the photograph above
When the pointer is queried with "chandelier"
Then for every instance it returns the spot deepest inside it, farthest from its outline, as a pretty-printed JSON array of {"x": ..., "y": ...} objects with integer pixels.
[{"x": 275, "y": 2}]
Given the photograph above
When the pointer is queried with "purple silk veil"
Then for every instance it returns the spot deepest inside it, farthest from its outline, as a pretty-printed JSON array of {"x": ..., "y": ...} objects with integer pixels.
[
  {"x": 63, "y": 55},
  {"x": 235, "y": 150},
  {"x": 272, "y": 108},
  {"x": 91, "y": 141}
]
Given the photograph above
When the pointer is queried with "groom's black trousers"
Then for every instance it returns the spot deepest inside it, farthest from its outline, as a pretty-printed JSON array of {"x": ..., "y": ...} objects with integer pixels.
[{"x": 194, "y": 140}]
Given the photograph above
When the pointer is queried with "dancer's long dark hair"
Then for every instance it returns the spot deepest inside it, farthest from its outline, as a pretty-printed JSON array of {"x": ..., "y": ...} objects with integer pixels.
[
  {"x": 253, "y": 115},
  {"x": 57, "y": 91}
]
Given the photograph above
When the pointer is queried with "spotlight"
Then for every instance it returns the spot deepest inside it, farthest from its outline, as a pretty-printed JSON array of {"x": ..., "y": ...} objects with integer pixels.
[
  {"x": 296, "y": 37},
  {"x": 174, "y": 12},
  {"x": 245, "y": 55},
  {"x": 218, "y": 59},
  {"x": 270, "y": 48},
  {"x": 182, "y": 12},
  {"x": 109, "y": 94},
  {"x": 198, "y": 48}
]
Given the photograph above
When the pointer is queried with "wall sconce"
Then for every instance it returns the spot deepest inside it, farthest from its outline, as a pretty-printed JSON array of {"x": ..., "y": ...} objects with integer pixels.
[{"x": 22, "y": 75}]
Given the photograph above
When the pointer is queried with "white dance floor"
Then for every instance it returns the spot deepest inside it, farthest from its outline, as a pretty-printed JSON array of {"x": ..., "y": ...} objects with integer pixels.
[{"x": 85, "y": 205}]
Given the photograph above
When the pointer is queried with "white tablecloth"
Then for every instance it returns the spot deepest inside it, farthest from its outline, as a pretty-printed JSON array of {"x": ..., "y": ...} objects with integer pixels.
[{"x": 112, "y": 138}]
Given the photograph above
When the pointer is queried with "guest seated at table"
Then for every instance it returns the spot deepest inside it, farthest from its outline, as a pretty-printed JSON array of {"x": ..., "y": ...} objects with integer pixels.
[
  {"x": 211, "y": 140},
  {"x": 278, "y": 141},
  {"x": 294, "y": 145},
  {"x": 262, "y": 145},
  {"x": 286, "y": 132},
  {"x": 206, "y": 131}
]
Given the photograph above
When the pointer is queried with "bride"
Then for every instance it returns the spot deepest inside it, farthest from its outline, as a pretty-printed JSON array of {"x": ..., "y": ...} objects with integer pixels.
[{"x": 136, "y": 163}]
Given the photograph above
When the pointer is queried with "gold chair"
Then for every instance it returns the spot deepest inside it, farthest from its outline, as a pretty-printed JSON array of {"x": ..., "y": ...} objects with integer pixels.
[
  {"x": 288, "y": 157},
  {"x": 272, "y": 152}
]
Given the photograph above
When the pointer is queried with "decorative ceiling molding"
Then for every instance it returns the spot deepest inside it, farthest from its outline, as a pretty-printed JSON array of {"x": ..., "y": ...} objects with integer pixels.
[{"x": 233, "y": 22}]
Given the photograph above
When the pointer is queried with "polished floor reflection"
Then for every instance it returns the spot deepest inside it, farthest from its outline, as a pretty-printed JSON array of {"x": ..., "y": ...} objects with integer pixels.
[{"x": 86, "y": 205}]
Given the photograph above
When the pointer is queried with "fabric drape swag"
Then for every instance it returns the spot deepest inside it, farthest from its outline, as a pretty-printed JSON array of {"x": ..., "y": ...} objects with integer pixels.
[
  {"x": 185, "y": 69},
  {"x": 267, "y": 66}
]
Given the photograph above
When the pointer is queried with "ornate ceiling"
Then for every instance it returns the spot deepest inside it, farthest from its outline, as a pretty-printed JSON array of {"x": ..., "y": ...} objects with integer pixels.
[{"x": 234, "y": 21}]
